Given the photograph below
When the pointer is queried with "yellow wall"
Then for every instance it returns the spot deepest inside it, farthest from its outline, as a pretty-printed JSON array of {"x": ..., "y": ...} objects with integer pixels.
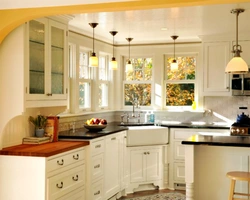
[{"x": 10, "y": 19}]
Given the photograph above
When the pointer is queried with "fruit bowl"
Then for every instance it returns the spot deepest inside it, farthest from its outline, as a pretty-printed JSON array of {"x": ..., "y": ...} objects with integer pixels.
[{"x": 95, "y": 127}]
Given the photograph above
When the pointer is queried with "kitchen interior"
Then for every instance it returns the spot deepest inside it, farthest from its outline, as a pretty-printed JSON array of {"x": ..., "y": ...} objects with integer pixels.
[{"x": 208, "y": 32}]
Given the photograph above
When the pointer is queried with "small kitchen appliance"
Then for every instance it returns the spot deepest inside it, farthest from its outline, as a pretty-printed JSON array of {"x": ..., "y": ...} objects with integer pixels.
[{"x": 242, "y": 125}]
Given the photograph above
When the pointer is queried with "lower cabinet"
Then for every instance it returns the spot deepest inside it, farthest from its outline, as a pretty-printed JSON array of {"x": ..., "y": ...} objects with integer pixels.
[
  {"x": 145, "y": 166},
  {"x": 57, "y": 177},
  {"x": 177, "y": 153},
  {"x": 106, "y": 166}
]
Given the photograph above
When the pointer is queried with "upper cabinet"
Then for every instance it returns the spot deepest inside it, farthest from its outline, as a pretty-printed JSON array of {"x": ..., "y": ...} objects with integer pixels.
[
  {"x": 47, "y": 63},
  {"x": 216, "y": 55}
]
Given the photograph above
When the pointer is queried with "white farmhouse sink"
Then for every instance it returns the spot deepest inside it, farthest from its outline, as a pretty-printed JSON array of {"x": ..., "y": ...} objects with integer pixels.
[{"x": 147, "y": 135}]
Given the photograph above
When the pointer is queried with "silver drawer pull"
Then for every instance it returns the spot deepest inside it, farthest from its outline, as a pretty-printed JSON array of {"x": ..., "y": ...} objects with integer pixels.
[
  {"x": 98, "y": 192},
  {"x": 113, "y": 138},
  {"x": 97, "y": 166},
  {"x": 60, "y": 186},
  {"x": 76, "y": 157},
  {"x": 75, "y": 178},
  {"x": 98, "y": 146},
  {"x": 60, "y": 163}
]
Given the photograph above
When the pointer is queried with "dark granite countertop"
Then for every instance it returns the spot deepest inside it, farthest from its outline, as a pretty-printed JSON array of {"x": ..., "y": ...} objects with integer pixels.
[
  {"x": 83, "y": 133},
  {"x": 200, "y": 126},
  {"x": 234, "y": 141}
]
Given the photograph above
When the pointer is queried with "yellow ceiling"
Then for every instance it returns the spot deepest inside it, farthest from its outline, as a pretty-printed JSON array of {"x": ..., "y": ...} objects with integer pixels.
[{"x": 10, "y": 19}]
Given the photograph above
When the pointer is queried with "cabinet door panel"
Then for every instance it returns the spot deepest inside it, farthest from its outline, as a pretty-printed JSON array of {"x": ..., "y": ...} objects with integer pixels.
[
  {"x": 179, "y": 172},
  {"x": 137, "y": 165},
  {"x": 216, "y": 57},
  {"x": 154, "y": 164},
  {"x": 112, "y": 181}
]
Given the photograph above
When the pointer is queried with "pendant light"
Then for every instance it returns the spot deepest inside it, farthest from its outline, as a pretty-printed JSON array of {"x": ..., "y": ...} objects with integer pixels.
[
  {"x": 113, "y": 62},
  {"x": 174, "y": 64},
  {"x": 237, "y": 65},
  {"x": 129, "y": 66},
  {"x": 93, "y": 60}
]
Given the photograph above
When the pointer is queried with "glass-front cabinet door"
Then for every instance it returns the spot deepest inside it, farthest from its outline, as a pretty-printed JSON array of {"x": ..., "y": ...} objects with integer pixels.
[
  {"x": 36, "y": 57},
  {"x": 47, "y": 61}
]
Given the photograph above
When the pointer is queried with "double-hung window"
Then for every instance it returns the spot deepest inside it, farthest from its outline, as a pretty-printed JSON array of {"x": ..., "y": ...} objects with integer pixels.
[
  {"x": 103, "y": 84},
  {"x": 180, "y": 84},
  {"x": 138, "y": 82}
]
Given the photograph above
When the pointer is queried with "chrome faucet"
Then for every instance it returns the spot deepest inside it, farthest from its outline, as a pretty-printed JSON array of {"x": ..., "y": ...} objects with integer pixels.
[{"x": 135, "y": 104}]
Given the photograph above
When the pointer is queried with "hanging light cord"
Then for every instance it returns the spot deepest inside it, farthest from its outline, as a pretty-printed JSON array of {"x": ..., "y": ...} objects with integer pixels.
[
  {"x": 93, "y": 40},
  {"x": 129, "y": 50},
  {"x": 113, "y": 45},
  {"x": 174, "y": 49}
]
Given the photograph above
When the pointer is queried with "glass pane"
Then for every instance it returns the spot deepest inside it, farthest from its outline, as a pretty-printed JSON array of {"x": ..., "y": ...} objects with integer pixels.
[
  {"x": 179, "y": 94},
  {"x": 83, "y": 65},
  {"x": 57, "y": 60},
  {"x": 103, "y": 95},
  {"x": 36, "y": 57},
  {"x": 142, "y": 69},
  {"x": 84, "y": 94},
  {"x": 186, "y": 68},
  {"x": 102, "y": 68},
  {"x": 139, "y": 92}
]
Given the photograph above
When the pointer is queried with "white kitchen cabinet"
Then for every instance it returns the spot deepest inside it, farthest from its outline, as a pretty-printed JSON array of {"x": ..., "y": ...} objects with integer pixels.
[
  {"x": 47, "y": 63},
  {"x": 216, "y": 55},
  {"x": 106, "y": 166},
  {"x": 114, "y": 149},
  {"x": 145, "y": 166},
  {"x": 95, "y": 169},
  {"x": 177, "y": 152},
  {"x": 57, "y": 177}
]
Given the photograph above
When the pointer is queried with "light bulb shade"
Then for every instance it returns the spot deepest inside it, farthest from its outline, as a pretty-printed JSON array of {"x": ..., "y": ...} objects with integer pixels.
[
  {"x": 129, "y": 66},
  {"x": 113, "y": 64},
  {"x": 93, "y": 60},
  {"x": 174, "y": 65},
  {"x": 237, "y": 66}
]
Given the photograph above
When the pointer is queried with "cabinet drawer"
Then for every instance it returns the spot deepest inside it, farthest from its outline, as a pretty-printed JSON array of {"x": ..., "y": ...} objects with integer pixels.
[
  {"x": 97, "y": 147},
  {"x": 97, "y": 166},
  {"x": 78, "y": 194},
  {"x": 97, "y": 190},
  {"x": 183, "y": 134},
  {"x": 65, "y": 182},
  {"x": 62, "y": 160}
]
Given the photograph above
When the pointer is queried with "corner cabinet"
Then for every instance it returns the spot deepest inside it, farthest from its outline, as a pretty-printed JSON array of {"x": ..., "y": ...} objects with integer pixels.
[
  {"x": 47, "y": 61},
  {"x": 216, "y": 56}
]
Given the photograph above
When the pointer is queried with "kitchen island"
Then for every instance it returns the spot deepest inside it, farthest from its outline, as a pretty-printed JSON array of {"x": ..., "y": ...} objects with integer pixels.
[{"x": 208, "y": 158}]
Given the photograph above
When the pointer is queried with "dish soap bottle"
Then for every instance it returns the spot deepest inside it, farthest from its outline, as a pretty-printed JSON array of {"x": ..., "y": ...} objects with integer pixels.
[{"x": 152, "y": 117}]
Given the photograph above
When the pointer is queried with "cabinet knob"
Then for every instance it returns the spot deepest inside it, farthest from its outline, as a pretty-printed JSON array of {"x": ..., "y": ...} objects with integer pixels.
[
  {"x": 49, "y": 94},
  {"x": 76, "y": 157},
  {"x": 60, "y": 163},
  {"x": 148, "y": 153},
  {"x": 98, "y": 146},
  {"x": 60, "y": 186},
  {"x": 75, "y": 178},
  {"x": 145, "y": 153}
]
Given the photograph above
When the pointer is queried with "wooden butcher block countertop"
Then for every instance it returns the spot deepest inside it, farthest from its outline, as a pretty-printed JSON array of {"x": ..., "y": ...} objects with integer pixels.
[{"x": 43, "y": 150}]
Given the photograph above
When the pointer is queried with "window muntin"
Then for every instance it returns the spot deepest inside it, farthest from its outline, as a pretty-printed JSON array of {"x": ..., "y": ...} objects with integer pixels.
[
  {"x": 180, "y": 84},
  {"x": 138, "y": 83}
]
